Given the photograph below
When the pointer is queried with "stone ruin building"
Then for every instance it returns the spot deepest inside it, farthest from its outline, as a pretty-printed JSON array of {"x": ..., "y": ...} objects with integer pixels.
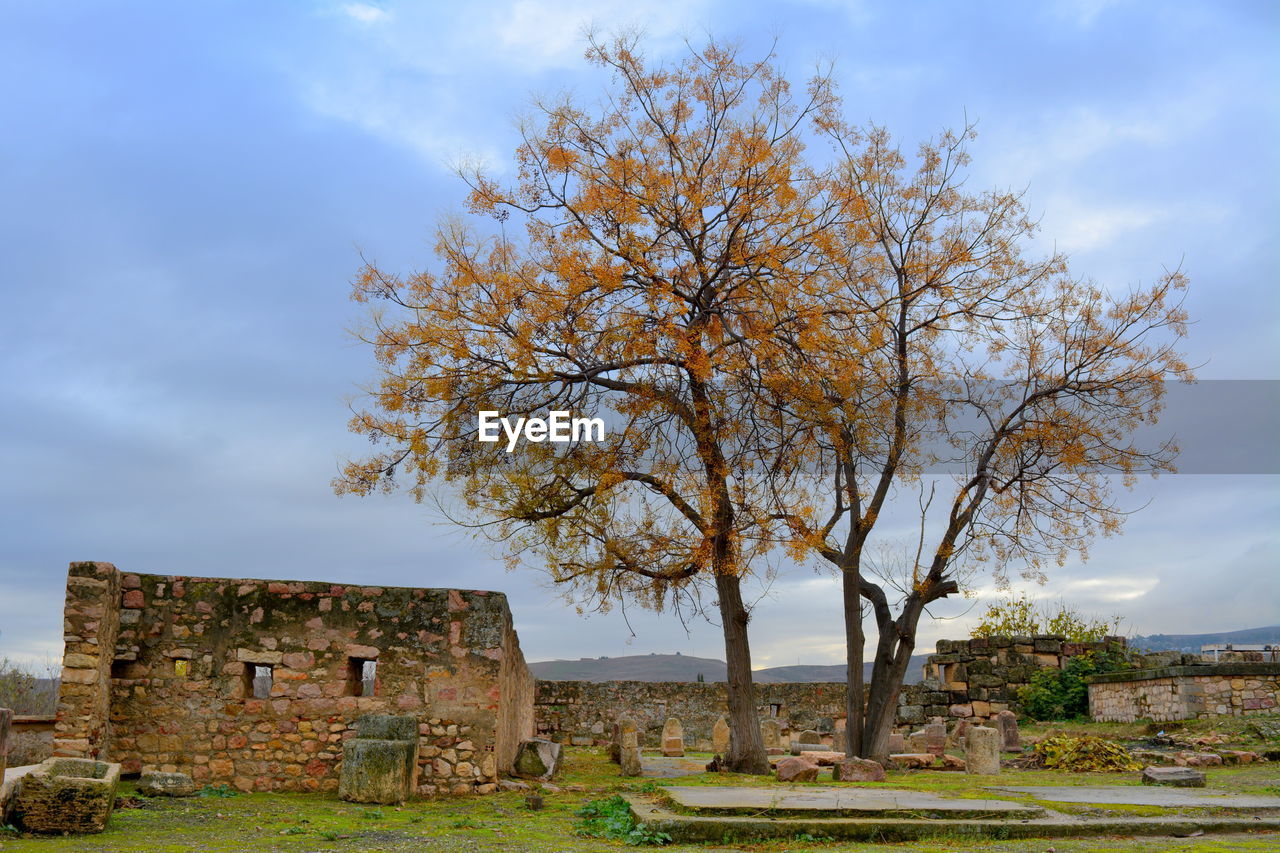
[{"x": 257, "y": 683}]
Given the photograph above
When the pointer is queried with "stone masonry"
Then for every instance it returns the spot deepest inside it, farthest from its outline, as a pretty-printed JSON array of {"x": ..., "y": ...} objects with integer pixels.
[
  {"x": 1185, "y": 692},
  {"x": 258, "y": 683}
]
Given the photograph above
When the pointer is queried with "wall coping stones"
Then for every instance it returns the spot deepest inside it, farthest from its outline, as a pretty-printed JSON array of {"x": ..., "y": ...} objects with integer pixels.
[{"x": 1207, "y": 669}]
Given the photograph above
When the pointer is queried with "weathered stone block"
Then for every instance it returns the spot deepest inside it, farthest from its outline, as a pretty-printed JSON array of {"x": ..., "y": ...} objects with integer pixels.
[
  {"x": 771, "y": 734},
  {"x": 387, "y": 727},
  {"x": 538, "y": 759},
  {"x": 1178, "y": 777},
  {"x": 156, "y": 784},
  {"x": 67, "y": 795},
  {"x": 1007, "y": 723},
  {"x": 720, "y": 737},
  {"x": 378, "y": 771},
  {"x": 858, "y": 770},
  {"x": 796, "y": 769},
  {"x": 982, "y": 750}
]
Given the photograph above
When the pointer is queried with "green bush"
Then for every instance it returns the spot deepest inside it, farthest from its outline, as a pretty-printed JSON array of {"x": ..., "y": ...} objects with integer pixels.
[
  {"x": 612, "y": 818},
  {"x": 1061, "y": 694}
]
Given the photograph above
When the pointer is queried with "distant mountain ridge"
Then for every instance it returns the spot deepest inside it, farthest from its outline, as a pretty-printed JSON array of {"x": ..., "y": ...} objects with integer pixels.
[
  {"x": 678, "y": 667},
  {"x": 1193, "y": 642}
]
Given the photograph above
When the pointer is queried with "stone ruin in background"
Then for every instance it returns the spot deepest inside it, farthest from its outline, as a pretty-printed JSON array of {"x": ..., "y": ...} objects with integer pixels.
[{"x": 257, "y": 683}]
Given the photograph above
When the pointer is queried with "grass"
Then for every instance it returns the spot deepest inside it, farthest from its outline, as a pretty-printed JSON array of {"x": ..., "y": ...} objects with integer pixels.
[{"x": 305, "y": 823}]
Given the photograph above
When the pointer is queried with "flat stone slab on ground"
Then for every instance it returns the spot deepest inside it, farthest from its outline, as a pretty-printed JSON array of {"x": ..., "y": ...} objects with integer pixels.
[
  {"x": 1140, "y": 795},
  {"x": 866, "y": 802}
]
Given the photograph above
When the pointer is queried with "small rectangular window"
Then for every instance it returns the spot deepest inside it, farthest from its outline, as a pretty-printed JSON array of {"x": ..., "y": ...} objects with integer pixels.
[
  {"x": 120, "y": 668},
  {"x": 362, "y": 676},
  {"x": 257, "y": 680},
  {"x": 180, "y": 667}
]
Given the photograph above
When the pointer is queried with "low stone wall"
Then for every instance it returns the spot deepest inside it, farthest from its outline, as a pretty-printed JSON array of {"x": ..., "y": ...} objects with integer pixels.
[
  {"x": 582, "y": 712},
  {"x": 977, "y": 679},
  {"x": 1185, "y": 692}
]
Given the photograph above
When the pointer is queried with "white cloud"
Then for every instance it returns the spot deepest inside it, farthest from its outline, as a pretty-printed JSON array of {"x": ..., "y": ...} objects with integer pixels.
[{"x": 364, "y": 13}]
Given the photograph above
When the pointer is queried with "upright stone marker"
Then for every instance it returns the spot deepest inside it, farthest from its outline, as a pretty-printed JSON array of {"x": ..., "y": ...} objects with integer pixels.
[
  {"x": 935, "y": 738},
  {"x": 629, "y": 754},
  {"x": 6, "y": 717},
  {"x": 982, "y": 751},
  {"x": 620, "y": 728},
  {"x": 897, "y": 743},
  {"x": 771, "y": 734},
  {"x": 380, "y": 764},
  {"x": 673, "y": 738},
  {"x": 720, "y": 737},
  {"x": 1007, "y": 722}
]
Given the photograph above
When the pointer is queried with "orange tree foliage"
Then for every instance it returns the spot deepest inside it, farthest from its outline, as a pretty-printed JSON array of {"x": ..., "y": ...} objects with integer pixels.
[
  {"x": 947, "y": 348},
  {"x": 664, "y": 235}
]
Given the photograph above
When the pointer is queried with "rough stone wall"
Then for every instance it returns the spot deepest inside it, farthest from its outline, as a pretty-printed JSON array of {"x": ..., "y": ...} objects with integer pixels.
[
  {"x": 179, "y": 678},
  {"x": 1185, "y": 692},
  {"x": 977, "y": 679},
  {"x": 582, "y": 712},
  {"x": 91, "y": 621}
]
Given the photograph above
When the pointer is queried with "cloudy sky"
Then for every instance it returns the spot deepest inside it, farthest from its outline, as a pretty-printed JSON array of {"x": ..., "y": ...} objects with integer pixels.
[{"x": 185, "y": 191}]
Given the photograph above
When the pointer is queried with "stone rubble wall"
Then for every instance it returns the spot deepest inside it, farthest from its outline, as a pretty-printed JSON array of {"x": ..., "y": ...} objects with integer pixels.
[
  {"x": 977, "y": 679},
  {"x": 1185, "y": 692},
  {"x": 160, "y": 677},
  {"x": 583, "y": 712}
]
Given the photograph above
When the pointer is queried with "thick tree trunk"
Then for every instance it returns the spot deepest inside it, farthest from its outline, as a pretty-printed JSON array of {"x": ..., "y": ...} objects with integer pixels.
[
  {"x": 853, "y": 698},
  {"x": 746, "y": 749}
]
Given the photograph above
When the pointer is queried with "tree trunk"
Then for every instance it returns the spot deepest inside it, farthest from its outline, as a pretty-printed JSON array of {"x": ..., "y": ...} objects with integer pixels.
[
  {"x": 746, "y": 749},
  {"x": 893, "y": 655},
  {"x": 853, "y": 637}
]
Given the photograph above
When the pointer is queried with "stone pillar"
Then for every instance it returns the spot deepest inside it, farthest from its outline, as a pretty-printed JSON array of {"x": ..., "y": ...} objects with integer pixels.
[
  {"x": 91, "y": 621},
  {"x": 673, "y": 738},
  {"x": 720, "y": 737},
  {"x": 1007, "y": 722},
  {"x": 629, "y": 756},
  {"x": 620, "y": 728},
  {"x": 6, "y": 717},
  {"x": 982, "y": 751}
]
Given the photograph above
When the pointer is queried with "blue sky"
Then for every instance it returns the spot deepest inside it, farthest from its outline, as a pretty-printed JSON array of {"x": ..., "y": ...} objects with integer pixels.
[{"x": 185, "y": 192}]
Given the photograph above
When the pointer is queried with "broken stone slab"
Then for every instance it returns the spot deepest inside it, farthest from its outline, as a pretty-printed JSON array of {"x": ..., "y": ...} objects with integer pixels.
[
  {"x": 1178, "y": 777},
  {"x": 67, "y": 795},
  {"x": 912, "y": 760},
  {"x": 982, "y": 751},
  {"x": 537, "y": 759},
  {"x": 952, "y": 762},
  {"x": 858, "y": 770},
  {"x": 153, "y": 783},
  {"x": 796, "y": 769},
  {"x": 823, "y": 757}
]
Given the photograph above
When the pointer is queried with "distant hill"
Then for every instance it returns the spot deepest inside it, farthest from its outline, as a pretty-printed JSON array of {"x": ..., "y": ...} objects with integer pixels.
[
  {"x": 1193, "y": 642},
  {"x": 655, "y": 667}
]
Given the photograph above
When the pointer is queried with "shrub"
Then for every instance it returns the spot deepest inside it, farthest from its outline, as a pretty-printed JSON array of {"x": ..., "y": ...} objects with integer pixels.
[
  {"x": 1021, "y": 616},
  {"x": 1061, "y": 694},
  {"x": 1083, "y": 754},
  {"x": 612, "y": 818}
]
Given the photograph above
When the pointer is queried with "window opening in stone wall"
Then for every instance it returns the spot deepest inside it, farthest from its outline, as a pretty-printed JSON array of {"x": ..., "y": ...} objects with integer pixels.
[
  {"x": 120, "y": 668},
  {"x": 362, "y": 676},
  {"x": 180, "y": 667},
  {"x": 257, "y": 680},
  {"x": 775, "y": 709}
]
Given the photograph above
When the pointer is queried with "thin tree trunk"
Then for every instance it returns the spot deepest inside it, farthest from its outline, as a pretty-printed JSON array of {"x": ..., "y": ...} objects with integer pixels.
[
  {"x": 746, "y": 749},
  {"x": 853, "y": 697},
  {"x": 893, "y": 655}
]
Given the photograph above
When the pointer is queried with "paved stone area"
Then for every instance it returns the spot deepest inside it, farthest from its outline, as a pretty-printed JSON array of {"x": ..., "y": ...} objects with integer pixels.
[
  {"x": 1134, "y": 795},
  {"x": 852, "y": 801}
]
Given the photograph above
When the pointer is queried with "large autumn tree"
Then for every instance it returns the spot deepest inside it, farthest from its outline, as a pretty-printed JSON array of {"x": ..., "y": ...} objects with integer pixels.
[
  {"x": 954, "y": 369},
  {"x": 640, "y": 264}
]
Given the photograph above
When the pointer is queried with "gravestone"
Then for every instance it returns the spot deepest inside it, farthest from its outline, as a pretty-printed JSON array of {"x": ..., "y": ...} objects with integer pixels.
[
  {"x": 982, "y": 751},
  {"x": 621, "y": 727},
  {"x": 771, "y": 734},
  {"x": 935, "y": 738},
  {"x": 956, "y": 738},
  {"x": 1007, "y": 723},
  {"x": 916, "y": 742},
  {"x": 673, "y": 738},
  {"x": 897, "y": 743},
  {"x": 720, "y": 737},
  {"x": 380, "y": 764},
  {"x": 67, "y": 795}
]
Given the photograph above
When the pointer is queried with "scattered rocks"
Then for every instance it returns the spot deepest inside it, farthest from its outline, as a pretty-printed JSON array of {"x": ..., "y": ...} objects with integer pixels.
[
  {"x": 1198, "y": 759},
  {"x": 1178, "y": 777}
]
